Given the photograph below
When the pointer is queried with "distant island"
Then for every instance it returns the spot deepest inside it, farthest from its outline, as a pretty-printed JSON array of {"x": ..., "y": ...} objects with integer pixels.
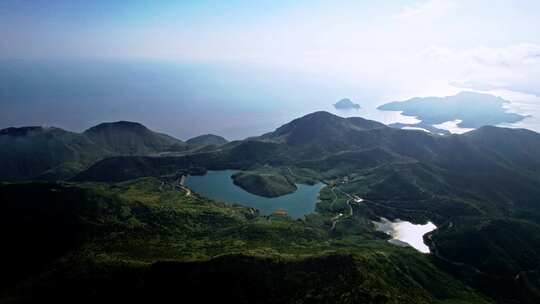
[
  {"x": 346, "y": 104},
  {"x": 471, "y": 109}
]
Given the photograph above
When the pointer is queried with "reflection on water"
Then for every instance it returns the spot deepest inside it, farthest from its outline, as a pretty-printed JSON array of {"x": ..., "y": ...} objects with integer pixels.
[
  {"x": 219, "y": 185},
  {"x": 452, "y": 127},
  {"x": 372, "y": 113},
  {"x": 415, "y": 128},
  {"x": 405, "y": 232}
]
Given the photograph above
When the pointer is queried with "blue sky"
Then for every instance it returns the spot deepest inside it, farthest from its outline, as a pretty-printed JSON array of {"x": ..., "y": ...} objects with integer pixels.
[
  {"x": 123, "y": 28},
  {"x": 371, "y": 51},
  {"x": 350, "y": 40}
]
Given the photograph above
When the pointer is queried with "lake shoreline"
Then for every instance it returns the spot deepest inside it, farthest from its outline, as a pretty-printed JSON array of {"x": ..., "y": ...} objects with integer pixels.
[{"x": 219, "y": 185}]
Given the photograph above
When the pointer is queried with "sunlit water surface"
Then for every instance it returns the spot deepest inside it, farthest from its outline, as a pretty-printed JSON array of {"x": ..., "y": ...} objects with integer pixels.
[{"x": 406, "y": 232}]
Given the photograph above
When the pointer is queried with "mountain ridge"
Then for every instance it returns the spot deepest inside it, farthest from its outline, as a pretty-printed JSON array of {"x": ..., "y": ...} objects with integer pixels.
[
  {"x": 37, "y": 152},
  {"x": 314, "y": 136},
  {"x": 131, "y": 138},
  {"x": 207, "y": 139},
  {"x": 482, "y": 186}
]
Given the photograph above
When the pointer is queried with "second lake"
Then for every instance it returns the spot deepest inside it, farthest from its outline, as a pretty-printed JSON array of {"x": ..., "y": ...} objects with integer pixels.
[{"x": 404, "y": 232}]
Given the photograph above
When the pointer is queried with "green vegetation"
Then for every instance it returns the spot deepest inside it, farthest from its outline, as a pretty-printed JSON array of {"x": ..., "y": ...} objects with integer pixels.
[
  {"x": 31, "y": 153},
  {"x": 264, "y": 183},
  {"x": 131, "y": 138},
  {"x": 501, "y": 255},
  {"x": 205, "y": 140},
  {"x": 143, "y": 240},
  {"x": 26, "y": 153},
  {"x": 481, "y": 189}
]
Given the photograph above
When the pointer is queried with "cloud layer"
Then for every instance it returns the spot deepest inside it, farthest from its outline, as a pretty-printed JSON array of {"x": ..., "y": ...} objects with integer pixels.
[{"x": 515, "y": 68}]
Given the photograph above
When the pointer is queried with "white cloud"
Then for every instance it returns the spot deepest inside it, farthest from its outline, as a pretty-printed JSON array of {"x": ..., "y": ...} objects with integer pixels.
[
  {"x": 515, "y": 68},
  {"x": 423, "y": 9}
]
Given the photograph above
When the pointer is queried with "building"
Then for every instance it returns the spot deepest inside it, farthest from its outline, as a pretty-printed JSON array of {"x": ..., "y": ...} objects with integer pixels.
[{"x": 281, "y": 212}]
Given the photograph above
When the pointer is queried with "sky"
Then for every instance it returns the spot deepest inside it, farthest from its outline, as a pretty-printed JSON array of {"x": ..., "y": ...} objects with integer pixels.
[{"x": 266, "y": 56}]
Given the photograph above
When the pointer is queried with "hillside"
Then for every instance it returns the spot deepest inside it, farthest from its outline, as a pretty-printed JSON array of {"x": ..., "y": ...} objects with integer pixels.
[
  {"x": 131, "y": 138},
  {"x": 264, "y": 183},
  {"x": 28, "y": 152},
  {"x": 206, "y": 139},
  {"x": 470, "y": 186},
  {"x": 464, "y": 166},
  {"x": 323, "y": 131},
  {"x": 31, "y": 153},
  {"x": 138, "y": 241},
  {"x": 320, "y": 140},
  {"x": 502, "y": 253}
]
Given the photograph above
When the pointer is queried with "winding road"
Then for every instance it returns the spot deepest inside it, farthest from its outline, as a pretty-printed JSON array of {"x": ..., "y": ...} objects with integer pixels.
[
  {"x": 179, "y": 185},
  {"x": 340, "y": 216}
]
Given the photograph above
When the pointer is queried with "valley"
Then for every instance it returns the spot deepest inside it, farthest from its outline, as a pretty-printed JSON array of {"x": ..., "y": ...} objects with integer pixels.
[
  {"x": 270, "y": 152},
  {"x": 296, "y": 199}
]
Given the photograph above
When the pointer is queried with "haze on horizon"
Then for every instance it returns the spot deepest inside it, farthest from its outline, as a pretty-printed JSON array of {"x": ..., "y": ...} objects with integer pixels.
[{"x": 245, "y": 67}]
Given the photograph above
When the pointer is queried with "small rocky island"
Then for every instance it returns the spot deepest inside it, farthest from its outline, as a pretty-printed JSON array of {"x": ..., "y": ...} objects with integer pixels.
[
  {"x": 267, "y": 184},
  {"x": 346, "y": 104}
]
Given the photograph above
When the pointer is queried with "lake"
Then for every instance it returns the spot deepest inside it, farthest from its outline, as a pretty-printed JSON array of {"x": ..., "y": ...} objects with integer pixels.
[
  {"x": 406, "y": 233},
  {"x": 218, "y": 185}
]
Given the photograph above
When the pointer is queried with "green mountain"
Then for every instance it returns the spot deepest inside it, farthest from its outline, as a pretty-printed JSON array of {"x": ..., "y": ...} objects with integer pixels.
[
  {"x": 143, "y": 241},
  {"x": 321, "y": 128},
  {"x": 321, "y": 140},
  {"x": 481, "y": 189},
  {"x": 29, "y": 153},
  {"x": 264, "y": 183},
  {"x": 131, "y": 138},
  {"x": 207, "y": 139}
]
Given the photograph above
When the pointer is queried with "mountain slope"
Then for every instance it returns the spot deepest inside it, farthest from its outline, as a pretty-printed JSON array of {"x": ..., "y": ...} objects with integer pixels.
[
  {"x": 142, "y": 242},
  {"x": 320, "y": 139},
  {"x": 131, "y": 138},
  {"x": 482, "y": 186},
  {"x": 207, "y": 139},
  {"x": 27, "y": 152},
  {"x": 320, "y": 127},
  {"x": 55, "y": 154},
  {"x": 321, "y": 132}
]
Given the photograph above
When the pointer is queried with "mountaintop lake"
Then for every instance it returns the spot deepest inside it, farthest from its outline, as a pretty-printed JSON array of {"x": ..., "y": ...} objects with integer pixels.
[
  {"x": 218, "y": 185},
  {"x": 406, "y": 233}
]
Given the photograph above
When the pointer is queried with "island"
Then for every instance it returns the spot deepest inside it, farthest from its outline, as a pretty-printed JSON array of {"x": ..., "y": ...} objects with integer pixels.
[
  {"x": 346, "y": 104},
  {"x": 262, "y": 183},
  {"x": 473, "y": 110},
  {"x": 207, "y": 139}
]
